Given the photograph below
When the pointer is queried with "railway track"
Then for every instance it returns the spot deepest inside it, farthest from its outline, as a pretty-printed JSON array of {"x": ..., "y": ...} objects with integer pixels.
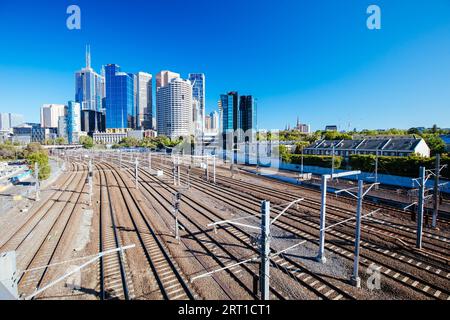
[
  {"x": 317, "y": 284},
  {"x": 380, "y": 226},
  {"x": 442, "y": 219},
  {"x": 321, "y": 287},
  {"x": 169, "y": 278},
  {"x": 32, "y": 221},
  {"x": 214, "y": 248},
  {"x": 37, "y": 268},
  {"x": 115, "y": 277},
  {"x": 408, "y": 279}
]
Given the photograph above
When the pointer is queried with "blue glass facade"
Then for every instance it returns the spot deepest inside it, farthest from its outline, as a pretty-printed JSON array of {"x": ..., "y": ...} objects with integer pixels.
[
  {"x": 89, "y": 89},
  {"x": 247, "y": 112},
  {"x": 230, "y": 112},
  {"x": 119, "y": 103},
  {"x": 198, "y": 88},
  {"x": 72, "y": 120}
]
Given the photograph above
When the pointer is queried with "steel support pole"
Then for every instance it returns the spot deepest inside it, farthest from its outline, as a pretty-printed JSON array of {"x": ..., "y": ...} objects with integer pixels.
[
  {"x": 436, "y": 190},
  {"x": 420, "y": 208},
  {"x": 214, "y": 169},
  {"x": 332, "y": 163},
  {"x": 265, "y": 250},
  {"x": 321, "y": 256},
  {"x": 150, "y": 161},
  {"x": 37, "y": 187},
  {"x": 355, "y": 279},
  {"x": 207, "y": 169},
  {"x": 376, "y": 169},
  {"x": 302, "y": 167},
  {"x": 176, "y": 209},
  {"x": 174, "y": 175},
  {"x": 90, "y": 182},
  {"x": 136, "y": 173}
]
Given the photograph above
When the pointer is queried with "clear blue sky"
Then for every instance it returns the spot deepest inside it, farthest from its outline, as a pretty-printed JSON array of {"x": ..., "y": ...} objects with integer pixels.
[{"x": 313, "y": 59}]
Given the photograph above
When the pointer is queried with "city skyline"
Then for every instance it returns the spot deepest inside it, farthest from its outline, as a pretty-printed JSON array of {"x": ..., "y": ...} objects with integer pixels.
[{"x": 400, "y": 69}]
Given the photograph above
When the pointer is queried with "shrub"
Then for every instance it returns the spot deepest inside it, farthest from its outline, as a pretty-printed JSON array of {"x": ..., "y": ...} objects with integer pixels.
[
  {"x": 400, "y": 166},
  {"x": 319, "y": 161},
  {"x": 87, "y": 142}
]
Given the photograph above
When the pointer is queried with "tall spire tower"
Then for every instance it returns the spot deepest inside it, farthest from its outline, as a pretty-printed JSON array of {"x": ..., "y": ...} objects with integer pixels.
[{"x": 88, "y": 56}]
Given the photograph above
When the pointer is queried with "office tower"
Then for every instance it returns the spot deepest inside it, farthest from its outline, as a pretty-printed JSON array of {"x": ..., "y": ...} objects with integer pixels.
[
  {"x": 33, "y": 132},
  {"x": 208, "y": 125},
  {"x": 229, "y": 106},
  {"x": 89, "y": 86},
  {"x": 10, "y": 120},
  {"x": 50, "y": 114},
  {"x": 62, "y": 127},
  {"x": 198, "y": 94},
  {"x": 198, "y": 122},
  {"x": 73, "y": 121},
  {"x": 120, "y": 110},
  {"x": 174, "y": 108},
  {"x": 92, "y": 121},
  {"x": 4, "y": 122},
  {"x": 164, "y": 77},
  {"x": 247, "y": 117},
  {"x": 144, "y": 99},
  {"x": 214, "y": 116}
]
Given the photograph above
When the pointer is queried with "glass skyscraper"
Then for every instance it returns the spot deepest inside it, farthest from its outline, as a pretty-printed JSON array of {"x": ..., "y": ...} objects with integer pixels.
[
  {"x": 198, "y": 93},
  {"x": 247, "y": 117},
  {"x": 89, "y": 87},
  {"x": 229, "y": 106},
  {"x": 229, "y": 109},
  {"x": 73, "y": 120},
  {"x": 120, "y": 109}
]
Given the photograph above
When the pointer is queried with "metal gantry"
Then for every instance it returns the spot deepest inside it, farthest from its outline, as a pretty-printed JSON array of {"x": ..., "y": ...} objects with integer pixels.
[
  {"x": 264, "y": 245},
  {"x": 355, "y": 279},
  {"x": 323, "y": 209}
]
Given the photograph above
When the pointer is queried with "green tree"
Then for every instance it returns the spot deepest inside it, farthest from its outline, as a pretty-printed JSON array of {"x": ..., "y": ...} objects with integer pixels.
[
  {"x": 300, "y": 146},
  {"x": 41, "y": 158},
  {"x": 436, "y": 144},
  {"x": 87, "y": 142},
  {"x": 60, "y": 141}
]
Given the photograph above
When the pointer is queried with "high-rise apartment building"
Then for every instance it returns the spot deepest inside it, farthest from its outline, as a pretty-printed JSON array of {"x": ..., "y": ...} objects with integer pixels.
[
  {"x": 164, "y": 77},
  {"x": 198, "y": 94},
  {"x": 144, "y": 98},
  {"x": 50, "y": 114},
  {"x": 120, "y": 96},
  {"x": 89, "y": 86},
  {"x": 173, "y": 106}
]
